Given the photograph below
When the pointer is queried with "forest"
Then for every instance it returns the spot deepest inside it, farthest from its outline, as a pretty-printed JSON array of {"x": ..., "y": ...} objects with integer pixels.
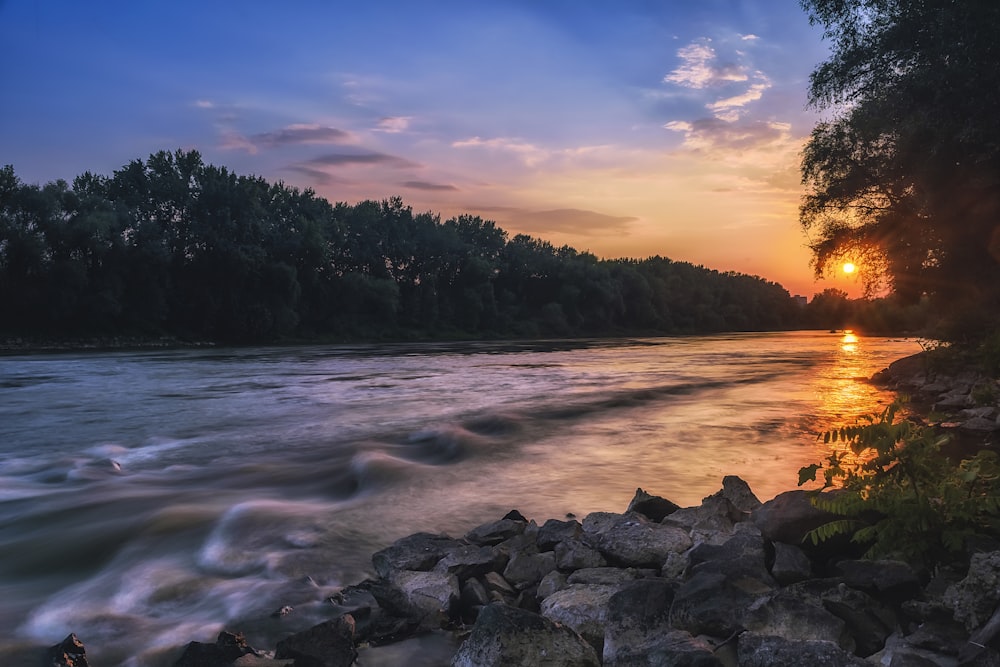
[{"x": 174, "y": 247}]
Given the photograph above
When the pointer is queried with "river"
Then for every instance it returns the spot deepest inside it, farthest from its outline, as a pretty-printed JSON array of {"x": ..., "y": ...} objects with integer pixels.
[{"x": 150, "y": 498}]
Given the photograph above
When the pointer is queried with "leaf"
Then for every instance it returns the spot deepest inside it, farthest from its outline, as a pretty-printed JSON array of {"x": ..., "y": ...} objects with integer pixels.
[{"x": 808, "y": 473}]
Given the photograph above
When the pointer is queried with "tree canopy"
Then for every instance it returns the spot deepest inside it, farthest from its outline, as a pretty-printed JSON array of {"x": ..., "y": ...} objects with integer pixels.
[
  {"x": 172, "y": 246},
  {"x": 903, "y": 177}
]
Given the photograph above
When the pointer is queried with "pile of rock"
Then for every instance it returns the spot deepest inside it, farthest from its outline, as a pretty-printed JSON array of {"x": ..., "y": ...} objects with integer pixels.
[
  {"x": 729, "y": 582},
  {"x": 970, "y": 399}
]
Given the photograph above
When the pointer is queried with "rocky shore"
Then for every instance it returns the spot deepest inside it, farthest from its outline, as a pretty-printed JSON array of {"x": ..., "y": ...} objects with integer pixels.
[{"x": 728, "y": 582}]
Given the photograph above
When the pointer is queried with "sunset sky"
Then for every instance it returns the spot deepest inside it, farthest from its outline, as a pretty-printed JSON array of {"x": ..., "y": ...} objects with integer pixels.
[{"x": 628, "y": 128}]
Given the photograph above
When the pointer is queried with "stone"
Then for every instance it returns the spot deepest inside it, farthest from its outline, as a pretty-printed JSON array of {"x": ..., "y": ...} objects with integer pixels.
[
  {"x": 756, "y": 650},
  {"x": 741, "y": 556},
  {"x": 471, "y": 561},
  {"x": 70, "y": 652},
  {"x": 867, "y": 620},
  {"x": 632, "y": 541},
  {"x": 426, "y": 599},
  {"x": 612, "y": 576},
  {"x": 973, "y": 599},
  {"x": 495, "y": 532},
  {"x": 419, "y": 552},
  {"x": 526, "y": 570},
  {"x": 554, "y": 531},
  {"x": 984, "y": 412},
  {"x": 574, "y": 554},
  {"x": 671, "y": 648},
  {"x": 505, "y": 636},
  {"x": 495, "y": 583},
  {"x": 892, "y": 579},
  {"x": 789, "y": 517},
  {"x": 473, "y": 594},
  {"x": 787, "y": 614},
  {"x": 711, "y": 522},
  {"x": 979, "y": 425},
  {"x": 582, "y": 607},
  {"x": 790, "y": 564},
  {"x": 550, "y": 583},
  {"x": 652, "y": 507},
  {"x": 328, "y": 644},
  {"x": 711, "y": 603},
  {"x": 738, "y": 492},
  {"x": 227, "y": 649}
]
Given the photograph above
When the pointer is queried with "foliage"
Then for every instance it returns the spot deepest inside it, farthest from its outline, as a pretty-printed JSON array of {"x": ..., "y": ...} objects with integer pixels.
[
  {"x": 899, "y": 494},
  {"x": 176, "y": 247},
  {"x": 903, "y": 176}
]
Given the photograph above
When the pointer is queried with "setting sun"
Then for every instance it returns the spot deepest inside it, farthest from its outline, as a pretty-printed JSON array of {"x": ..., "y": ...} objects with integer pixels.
[{"x": 849, "y": 268}]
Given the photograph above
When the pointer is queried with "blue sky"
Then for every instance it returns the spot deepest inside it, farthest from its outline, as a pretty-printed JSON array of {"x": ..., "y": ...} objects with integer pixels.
[{"x": 626, "y": 128}]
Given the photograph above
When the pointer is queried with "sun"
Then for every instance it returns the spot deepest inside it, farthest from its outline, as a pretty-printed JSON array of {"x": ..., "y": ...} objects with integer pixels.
[{"x": 849, "y": 268}]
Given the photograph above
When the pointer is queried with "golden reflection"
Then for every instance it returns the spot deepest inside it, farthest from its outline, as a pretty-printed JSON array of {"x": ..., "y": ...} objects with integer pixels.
[{"x": 849, "y": 343}]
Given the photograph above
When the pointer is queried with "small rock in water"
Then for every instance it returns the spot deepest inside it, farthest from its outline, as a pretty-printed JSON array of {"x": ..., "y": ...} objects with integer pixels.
[
  {"x": 70, "y": 652},
  {"x": 284, "y": 611}
]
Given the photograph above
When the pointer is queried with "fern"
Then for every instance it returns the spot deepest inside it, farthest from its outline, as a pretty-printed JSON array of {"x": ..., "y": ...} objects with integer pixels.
[{"x": 900, "y": 494}]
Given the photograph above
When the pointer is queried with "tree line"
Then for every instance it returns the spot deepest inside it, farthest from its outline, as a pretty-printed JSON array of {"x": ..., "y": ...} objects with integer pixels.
[{"x": 171, "y": 246}]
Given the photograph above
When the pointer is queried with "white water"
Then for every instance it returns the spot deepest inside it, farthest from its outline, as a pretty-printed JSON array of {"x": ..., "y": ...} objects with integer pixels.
[{"x": 148, "y": 499}]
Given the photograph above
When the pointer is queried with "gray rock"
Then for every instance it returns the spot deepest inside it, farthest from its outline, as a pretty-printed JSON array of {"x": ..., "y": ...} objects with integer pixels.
[
  {"x": 708, "y": 523},
  {"x": 979, "y": 425},
  {"x": 789, "y": 615},
  {"x": 611, "y": 576},
  {"x": 764, "y": 651},
  {"x": 984, "y": 412},
  {"x": 582, "y": 607},
  {"x": 652, "y": 507},
  {"x": 974, "y": 598},
  {"x": 554, "y": 531},
  {"x": 495, "y": 583},
  {"x": 329, "y": 644},
  {"x": 741, "y": 556},
  {"x": 526, "y": 570},
  {"x": 495, "y": 532},
  {"x": 636, "y": 629},
  {"x": 574, "y": 554},
  {"x": 663, "y": 648},
  {"x": 892, "y": 579},
  {"x": 631, "y": 540},
  {"x": 426, "y": 599},
  {"x": 471, "y": 561},
  {"x": 550, "y": 583},
  {"x": 789, "y": 517},
  {"x": 738, "y": 492},
  {"x": 711, "y": 603},
  {"x": 474, "y": 594},
  {"x": 790, "y": 564},
  {"x": 506, "y": 636},
  {"x": 867, "y": 620},
  {"x": 419, "y": 552}
]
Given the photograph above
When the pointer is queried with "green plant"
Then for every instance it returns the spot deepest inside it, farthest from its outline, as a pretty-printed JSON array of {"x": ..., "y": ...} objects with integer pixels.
[{"x": 901, "y": 496}]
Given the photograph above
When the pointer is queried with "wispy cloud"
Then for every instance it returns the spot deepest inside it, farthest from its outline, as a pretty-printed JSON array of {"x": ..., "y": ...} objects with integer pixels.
[
  {"x": 529, "y": 153},
  {"x": 431, "y": 187},
  {"x": 316, "y": 176},
  {"x": 287, "y": 136},
  {"x": 353, "y": 159},
  {"x": 731, "y": 108},
  {"x": 715, "y": 136},
  {"x": 204, "y": 104},
  {"x": 565, "y": 220},
  {"x": 393, "y": 124},
  {"x": 700, "y": 67}
]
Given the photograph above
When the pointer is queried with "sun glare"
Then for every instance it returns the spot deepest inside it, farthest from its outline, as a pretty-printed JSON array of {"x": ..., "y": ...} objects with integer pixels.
[{"x": 849, "y": 268}]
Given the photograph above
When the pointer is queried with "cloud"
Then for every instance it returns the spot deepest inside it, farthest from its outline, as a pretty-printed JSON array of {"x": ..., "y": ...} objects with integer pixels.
[
  {"x": 718, "y": 136},
  {"x": 432, "y": 187},
  {"x": 291, "y": 135},
  {"x": 204, "y": 104},
  {"x": 393, "y": 124},
  {"x": 530, "y": 154},
  {"x": 351, "y": 159},
  {"x": 730, "y": 108},
  {"x": 699, "y": 69},
  {"x": 317, "y": 176},
  {"x": 749, "y": 38},
  {"x": 568, "y": 220}
]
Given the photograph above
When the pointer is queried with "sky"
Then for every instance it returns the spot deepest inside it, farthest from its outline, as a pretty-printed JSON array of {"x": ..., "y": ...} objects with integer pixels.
[{"x": 627, "y": 129}]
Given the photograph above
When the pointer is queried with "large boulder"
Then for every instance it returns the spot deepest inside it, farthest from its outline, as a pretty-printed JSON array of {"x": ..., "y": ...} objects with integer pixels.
[
  {"x": 471, "y": 561},
  {"x": 790, "y": 564},
  {"x": 329, "y": 644},
  {"x": 786, "y": 613},
  {"x": 711, "y": 603},
  {"x": 789, "y": 517},
  {"x": 554, "y": 531},
  {"x": 973, "y": 599},
  {"x": 425, "y": 599},
  {"x": 574, "y": 554},
  {"x": 526, "y": 570},
  {"x": 632, "y": 540},
  {"x": 495, "y": 532},
  {"x": 889, "y": 579},
  {"x": 652, "y": 507},
  {"x": 505, "y": 636}
]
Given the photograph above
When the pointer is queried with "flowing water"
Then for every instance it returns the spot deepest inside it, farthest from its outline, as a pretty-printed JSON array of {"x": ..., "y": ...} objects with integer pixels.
[{"x": 148, "y": 499}]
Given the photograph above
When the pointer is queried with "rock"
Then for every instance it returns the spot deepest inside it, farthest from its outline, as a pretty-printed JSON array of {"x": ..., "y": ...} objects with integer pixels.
[
  {"x": 891, "y": 579},
  {"x": 495, "y": 583},
  {"x": 899, "y": 653},
  {"x": 867, "y": 620},
  {"x": 550, "y": 583},
  {"x": 495, "y": 532},
  {"x": 985, "y": 412},
  {"x": 636, "y": 626},
  {"x": 70, "y": 652},
  {"x": 979, "y": 425},
  {"x": 711, "y": 522},
  {"x": 611, "y": 576},
  {"x": 674, "y": 648},
  {"x": 953, "y": 399},
  {"x": 631, "y": 540},
  {"x": 738, "y": 492},
  {"x": 582, "y": 607},
  {"x": 764, "y": 651},
  {"x": 787, "y": 614},
  {"x": 471, "y": 561},
  {"x": 227, "y": 649},
  {"x": 741, "y": 556},
  {"x": 973, "y": 599},
  {"x": 555, "y": 531},
  {"x": 505, "y": 636},
  {"x": 418, "y": 552},
  {"x": 652, "y": 507},
  {"x": 285, "y": 610},
  {"x": 711, "y": 603},
  {"x": 574, "y": 554},
  {"x": 426, "y": 599},
  {"x": 329, "y": 644},
  {"x": 790, "y": 564},
  {"x": 789, "y": 517},
  {"x": 526, "y": 570},
  {"x": 473, "y": 596}
]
